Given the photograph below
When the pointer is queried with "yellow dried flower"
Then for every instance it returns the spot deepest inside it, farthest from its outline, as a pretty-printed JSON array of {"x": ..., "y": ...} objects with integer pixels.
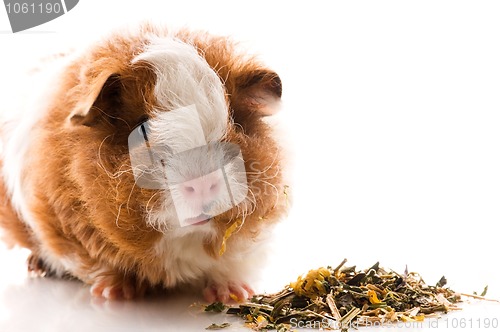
[
  {"x": 228, "y": 233},
  {"x": 312, "y": 285},
  {"x": 372, "y": 296}
]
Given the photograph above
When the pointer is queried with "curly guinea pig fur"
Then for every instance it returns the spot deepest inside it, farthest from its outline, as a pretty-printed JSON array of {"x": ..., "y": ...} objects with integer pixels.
[{"x": 69, "y": 192}]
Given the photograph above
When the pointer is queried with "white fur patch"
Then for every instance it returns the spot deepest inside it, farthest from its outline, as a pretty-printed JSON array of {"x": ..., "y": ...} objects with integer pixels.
[
  {"x": 184, "y": 257},
  {"x": 186, "y": 261},
  {"x": 17, "y": 130},
  {"x": 179, "y": 129},
  {"x": 184, "y": 78}
]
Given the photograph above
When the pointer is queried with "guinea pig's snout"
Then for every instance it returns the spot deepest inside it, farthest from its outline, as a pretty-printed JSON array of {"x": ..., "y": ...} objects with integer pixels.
[
  {"x": 202, "y": 182},
  {"x": 202, "y": 192}
]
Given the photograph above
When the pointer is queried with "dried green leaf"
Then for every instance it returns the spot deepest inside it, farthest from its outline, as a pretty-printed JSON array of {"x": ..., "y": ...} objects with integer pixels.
[
  {"x": 485, "y": 290},
  {"x": 216, "y": 307},
  {"x": 441, "y": 282},
  {"x": 283, "y": 327},
  {"x": 356, "y": 280},
  {"x": 214, "y": 326}
]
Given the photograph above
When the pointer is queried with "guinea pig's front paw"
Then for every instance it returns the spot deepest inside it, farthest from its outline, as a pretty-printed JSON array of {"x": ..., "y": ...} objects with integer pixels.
[
  {"x": 117, "y": 287},
  {"x": 36, "y": 266},
  {"x": 227, "y": 292}
]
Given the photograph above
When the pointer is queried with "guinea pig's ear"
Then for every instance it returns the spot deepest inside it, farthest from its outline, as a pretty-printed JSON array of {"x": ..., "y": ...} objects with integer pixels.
[
  {"x": 259, "y": 91},
  {"x": 102, "y": 98}
]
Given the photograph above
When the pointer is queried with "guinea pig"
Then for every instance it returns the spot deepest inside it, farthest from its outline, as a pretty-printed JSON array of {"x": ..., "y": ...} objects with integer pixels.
[{"x": 147, "y": 161}]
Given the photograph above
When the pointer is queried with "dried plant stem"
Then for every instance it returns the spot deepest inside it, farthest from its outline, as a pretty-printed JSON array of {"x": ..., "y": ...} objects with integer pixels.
[{"x": 478, "y": 297}]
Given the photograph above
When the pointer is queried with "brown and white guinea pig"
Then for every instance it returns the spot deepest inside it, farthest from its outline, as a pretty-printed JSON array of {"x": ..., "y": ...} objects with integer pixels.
[{"x": 70, "y": 192}]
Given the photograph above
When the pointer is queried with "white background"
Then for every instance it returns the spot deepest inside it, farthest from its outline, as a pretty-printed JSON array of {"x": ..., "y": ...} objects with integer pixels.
[{"x": 392, "y": 111}]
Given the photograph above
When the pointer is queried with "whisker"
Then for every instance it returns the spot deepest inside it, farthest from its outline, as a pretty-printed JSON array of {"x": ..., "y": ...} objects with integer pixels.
[
  {"x": 130, "y": 196},
  {"x": 118, "y": 216}
]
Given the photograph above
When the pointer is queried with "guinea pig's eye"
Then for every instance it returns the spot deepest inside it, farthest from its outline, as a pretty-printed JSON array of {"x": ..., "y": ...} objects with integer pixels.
[{"x": 146, "y": 158}]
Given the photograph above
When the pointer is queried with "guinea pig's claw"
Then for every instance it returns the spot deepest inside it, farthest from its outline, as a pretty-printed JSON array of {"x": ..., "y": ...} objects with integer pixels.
[
  {"x": 227, "y": 292},
  {"x": 36, "y": 266},
  {"x": 116, "y": 288}
]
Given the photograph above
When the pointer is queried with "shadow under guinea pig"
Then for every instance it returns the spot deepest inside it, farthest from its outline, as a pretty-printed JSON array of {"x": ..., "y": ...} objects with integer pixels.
[{"x": 51, "y": 304}]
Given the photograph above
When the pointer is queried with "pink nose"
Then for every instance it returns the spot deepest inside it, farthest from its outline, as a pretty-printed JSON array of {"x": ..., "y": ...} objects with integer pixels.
[{"x": 202, "y": 191}]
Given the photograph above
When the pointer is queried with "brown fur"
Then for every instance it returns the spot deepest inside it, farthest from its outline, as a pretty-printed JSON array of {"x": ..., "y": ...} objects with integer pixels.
[
  {"x": 16, "y": 232},
  {"x": 82, "y": 208}
]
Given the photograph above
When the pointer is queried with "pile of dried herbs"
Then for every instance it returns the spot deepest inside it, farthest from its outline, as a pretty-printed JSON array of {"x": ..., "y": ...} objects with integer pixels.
[{"x": 342, "y": 297}]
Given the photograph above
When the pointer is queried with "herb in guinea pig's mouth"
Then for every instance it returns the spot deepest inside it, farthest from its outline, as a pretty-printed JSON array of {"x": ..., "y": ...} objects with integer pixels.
[{"x": 343, "y": 297}]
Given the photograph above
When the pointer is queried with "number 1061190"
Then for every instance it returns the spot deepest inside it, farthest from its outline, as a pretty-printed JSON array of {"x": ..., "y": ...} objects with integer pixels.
[{"x": 32, "y": 8}]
